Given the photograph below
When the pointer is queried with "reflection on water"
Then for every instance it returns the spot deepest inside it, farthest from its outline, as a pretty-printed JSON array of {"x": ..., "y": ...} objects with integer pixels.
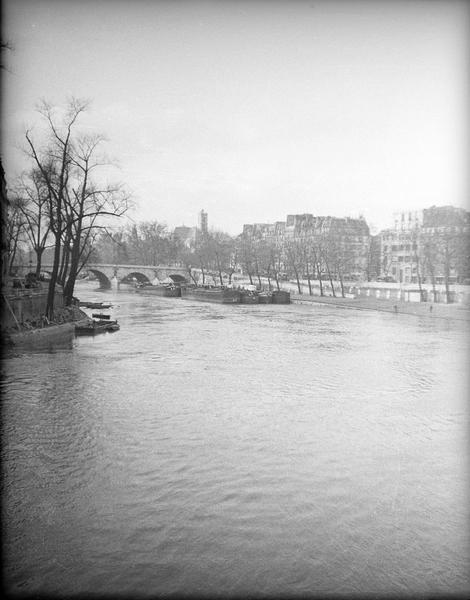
[{"x": 239, "y": 450}]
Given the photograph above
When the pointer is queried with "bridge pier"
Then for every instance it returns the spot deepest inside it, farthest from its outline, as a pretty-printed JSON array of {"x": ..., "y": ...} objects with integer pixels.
[{"x": 115, "y": 283}]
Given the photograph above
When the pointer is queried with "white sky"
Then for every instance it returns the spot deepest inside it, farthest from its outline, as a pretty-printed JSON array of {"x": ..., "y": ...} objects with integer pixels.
[{"x": 255, "y": 110}]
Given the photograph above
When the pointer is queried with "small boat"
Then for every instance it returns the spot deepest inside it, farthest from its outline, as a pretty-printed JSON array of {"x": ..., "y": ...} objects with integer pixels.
[
  {"x": 280, "y": 297},
  {"x": 99, "y": 305},
  {"x": 168, "y": 291},
  {"x": 220, "y": 295},
  {"x": 249, "y": 297},
  {"x": 265, "y": 298},
  {"x": 93, "y": 326}
]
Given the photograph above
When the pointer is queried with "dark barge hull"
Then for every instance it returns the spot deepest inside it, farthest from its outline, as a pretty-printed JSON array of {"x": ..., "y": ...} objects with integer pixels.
[
  {"x": 265, "y": 299},
  {"x": 281, "y": 297},
  {"x": 160, "y": 290},
  {"x": 94, "y": 327},
  {"x": 249, "y": 298},
  {"x": 100, "y": 305},
  {"x": 220, "y": 296}
]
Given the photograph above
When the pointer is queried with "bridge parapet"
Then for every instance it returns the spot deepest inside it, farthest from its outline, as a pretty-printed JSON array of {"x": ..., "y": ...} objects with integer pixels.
[{"x": 106, "y": 273}]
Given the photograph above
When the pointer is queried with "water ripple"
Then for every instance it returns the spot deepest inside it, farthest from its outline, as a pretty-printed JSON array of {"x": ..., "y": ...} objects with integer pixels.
[{"x": 276, "y": 450}]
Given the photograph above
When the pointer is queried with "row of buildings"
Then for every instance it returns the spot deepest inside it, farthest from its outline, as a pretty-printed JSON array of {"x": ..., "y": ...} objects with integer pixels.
[
  {"x": 348, "y": 239},
  {"x": 431, "y": 245}
]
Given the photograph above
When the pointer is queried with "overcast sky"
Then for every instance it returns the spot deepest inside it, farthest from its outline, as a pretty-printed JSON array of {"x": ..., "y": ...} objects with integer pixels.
[{"x": 255, "y": 110}]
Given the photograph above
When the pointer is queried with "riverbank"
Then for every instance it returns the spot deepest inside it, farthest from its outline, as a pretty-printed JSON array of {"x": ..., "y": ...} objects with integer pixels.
[
  {"x": 42, "y": 333},
  {"x": 37, "y": 339},
  {"x": 422, "y": 309}
]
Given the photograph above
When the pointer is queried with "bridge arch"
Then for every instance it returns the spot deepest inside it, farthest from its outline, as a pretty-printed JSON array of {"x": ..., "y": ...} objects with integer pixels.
[
  {"x": 177, "y": 278},
  {"x": 104, "y": 281},
  {"x": 140, "y": 277}
]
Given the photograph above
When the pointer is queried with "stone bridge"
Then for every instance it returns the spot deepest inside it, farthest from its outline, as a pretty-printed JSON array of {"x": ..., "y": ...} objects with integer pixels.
[{"x": 112, "y": 275}]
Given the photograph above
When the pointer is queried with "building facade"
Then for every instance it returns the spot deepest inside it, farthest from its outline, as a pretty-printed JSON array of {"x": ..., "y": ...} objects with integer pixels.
[
  {"x": 341, "y": 245},
  {"x": 431, "y": 245}
]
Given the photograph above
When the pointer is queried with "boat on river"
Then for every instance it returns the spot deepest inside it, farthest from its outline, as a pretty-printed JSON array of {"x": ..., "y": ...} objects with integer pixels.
[
  {"x": 161, "y": 289},
  {"x": 280, "y": 297},
  {"x": 249, "y": 297},
  {"x": 94, "y": 326},
  {"x": 265, "y": 298},
  {"x": 99, "y": 305},
  {"x": 220, "y": 295}
]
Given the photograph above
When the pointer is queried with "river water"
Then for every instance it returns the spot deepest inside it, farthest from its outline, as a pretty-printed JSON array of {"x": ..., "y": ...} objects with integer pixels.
[{"x": 239, "y": 450}]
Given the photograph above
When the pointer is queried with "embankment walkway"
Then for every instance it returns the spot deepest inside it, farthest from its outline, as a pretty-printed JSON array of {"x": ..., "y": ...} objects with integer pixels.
[{"x": 459, "y": 312}]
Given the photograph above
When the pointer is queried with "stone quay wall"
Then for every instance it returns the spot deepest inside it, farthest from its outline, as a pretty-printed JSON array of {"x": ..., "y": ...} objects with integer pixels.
[{"x": 20, "y": 306}]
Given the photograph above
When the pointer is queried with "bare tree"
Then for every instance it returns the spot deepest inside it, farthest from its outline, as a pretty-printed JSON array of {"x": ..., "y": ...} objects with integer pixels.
[
  {"x": 294, "y": 255},
  {"x": 87, "y": 205},
  {"x": 54, "y": 159},
  {"x": 246, "y": 252},
  {"x": 34, "y": 195},
  {"x": 77, "y": 202},
  {"x": 220, "y": 251},
  {"x": 275, "y": 262},
  {"x": 15, "y": 228}
]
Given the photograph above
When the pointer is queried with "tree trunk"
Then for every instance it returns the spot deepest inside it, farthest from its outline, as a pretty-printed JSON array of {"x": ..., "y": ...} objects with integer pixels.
[
  {"x": 72, "y": 271},
  {"x": 64, "y": 264},
  {"x": 320, "y": 281},
  {"x": 12, "y": 256},
  {"x": 39, "y": 252},
  {"x": 341, "y": 284},
  {"x": 331, "y": 280},
  {"x": 53, "y": 280},
  {"x": 298, "y": 280},
  {"x": 309, "y": 282},
  {"x": 418, "y": 275},
  {"x": 447, "y": 274},
  {"x": 191, "y": 276},
  {"x": 433, "y": 281}
]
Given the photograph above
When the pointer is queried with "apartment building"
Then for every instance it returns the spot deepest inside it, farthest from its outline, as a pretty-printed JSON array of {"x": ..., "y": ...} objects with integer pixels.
[
  {"x": 346, "y": 236},
  {"x": 430, "y": 244}
]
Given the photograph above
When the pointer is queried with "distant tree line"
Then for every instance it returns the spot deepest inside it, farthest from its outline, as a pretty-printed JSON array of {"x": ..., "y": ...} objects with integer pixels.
[{"x": 215, "y": 256}]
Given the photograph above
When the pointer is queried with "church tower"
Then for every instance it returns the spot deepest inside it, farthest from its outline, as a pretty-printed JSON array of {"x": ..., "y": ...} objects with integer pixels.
[{"x": 202, "y": 226}]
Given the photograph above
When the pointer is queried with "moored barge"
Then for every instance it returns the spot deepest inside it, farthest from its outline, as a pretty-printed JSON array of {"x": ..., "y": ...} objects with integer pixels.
[
  {"x": 211, "y": 294},
  {"x": 94, "y": 326},
  {"x": 280, "y": 297},
  {"x": 249, "y": 297},
  {"x": 168, "y": 291},
  {"x": 265, "y": 298}
]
